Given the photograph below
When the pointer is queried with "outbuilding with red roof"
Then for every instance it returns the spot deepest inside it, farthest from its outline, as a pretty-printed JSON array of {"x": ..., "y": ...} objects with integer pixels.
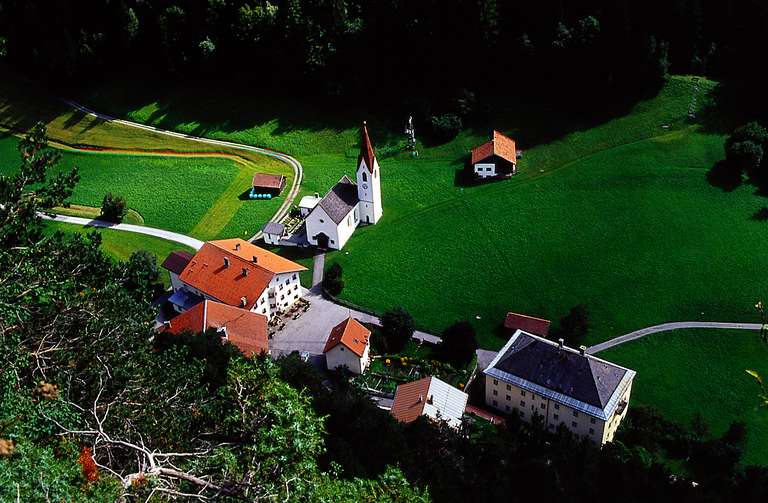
[
  {"x": 495, "y": 158},
  {"x": 348, "y": 346}
]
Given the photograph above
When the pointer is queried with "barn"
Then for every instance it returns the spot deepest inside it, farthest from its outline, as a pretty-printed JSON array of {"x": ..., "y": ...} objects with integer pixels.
[{"x": 497, "y": 157}]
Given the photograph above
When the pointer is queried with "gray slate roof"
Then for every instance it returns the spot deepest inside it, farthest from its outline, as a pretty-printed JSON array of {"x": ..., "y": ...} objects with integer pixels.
[
  {"x": 562, "y": 370},
  {"x": 340, "y": 200},
  {"x": 273, "y": 228}
]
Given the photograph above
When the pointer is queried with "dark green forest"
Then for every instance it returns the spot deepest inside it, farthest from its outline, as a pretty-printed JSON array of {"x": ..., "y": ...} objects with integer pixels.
[{"x": 436, "y": 56}]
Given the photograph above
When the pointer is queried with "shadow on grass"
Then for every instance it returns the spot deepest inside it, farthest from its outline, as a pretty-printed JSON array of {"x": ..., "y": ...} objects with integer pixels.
[
  {"x": 724, "y": 176},
  {"x": 760, "y": 215}
]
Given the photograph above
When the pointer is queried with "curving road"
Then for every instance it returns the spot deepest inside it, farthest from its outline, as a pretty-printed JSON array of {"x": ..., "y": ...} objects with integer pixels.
[
  {"x": 298, "y": 169},
  {"x": 666, "y": 327},
  {"x": 138, "y": 229}
]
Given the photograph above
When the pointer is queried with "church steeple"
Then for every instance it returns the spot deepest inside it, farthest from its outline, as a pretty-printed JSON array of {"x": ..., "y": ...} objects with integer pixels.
[{"x": 366, "y": 149}]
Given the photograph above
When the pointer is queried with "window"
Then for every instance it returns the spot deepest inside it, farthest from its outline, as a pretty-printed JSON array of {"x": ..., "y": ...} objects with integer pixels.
[
  {"x": 522, "y": 393},
  {"x": 575, "y": 413},
  {"x": 573, "y": 423},
  {"x": 294, "y": 276},
  {"x": 322, "y": 221},
  {"x": 592, "y": 420},
  {"x": 543, "y": 406},
  {"x": 522, "y": 403},
  {"x": 509, "y": 388},
  {"x": 495, "y": 393},
  {"x": 557, "y": 406},
  {"x": 495, "y": 403},
  {"x": 533, "y": 396},
  {"x": 556, "y": 417},
  {"x": 591, "y": 431},
  {"x": 287, "y": 281},
  {"x": 509, "y": 398},
  {"x": 365, "y": 176},
  {"x": 341, "y": 348},
  {"x": 264, "y": 311},
  {"x": 495, "y": 382},
  {"x": 332, "y": 241}
]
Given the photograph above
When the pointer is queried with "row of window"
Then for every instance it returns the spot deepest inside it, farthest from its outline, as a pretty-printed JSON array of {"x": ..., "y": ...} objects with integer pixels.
[{"x": 556, "y": 417}]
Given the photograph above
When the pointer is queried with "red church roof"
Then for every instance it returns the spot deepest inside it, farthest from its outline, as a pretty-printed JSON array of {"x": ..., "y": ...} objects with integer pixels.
[
  {"x": 500, "y": 145},
  {"x": 366, "y": 149},
  {"x": 244, "y": 329}
]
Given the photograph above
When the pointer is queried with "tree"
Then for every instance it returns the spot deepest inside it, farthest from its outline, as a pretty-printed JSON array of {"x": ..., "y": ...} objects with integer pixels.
[
  {"x": 445, "y": 127},
  {"x": 141, "y": 273},
  {"x": 744, "y": 148},
  {"x": 20, "y": 203},
  {"x": 397, "y": 327},
  {"x": 113, "y": 208},
  {"x": 574, "y": 325},
  {"x": 332, "y": 279},
  {"x": 459, "y": 343}
]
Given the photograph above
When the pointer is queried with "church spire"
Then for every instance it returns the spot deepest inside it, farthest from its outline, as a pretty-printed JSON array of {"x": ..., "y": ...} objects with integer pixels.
[{"x": 366, "y": 149}]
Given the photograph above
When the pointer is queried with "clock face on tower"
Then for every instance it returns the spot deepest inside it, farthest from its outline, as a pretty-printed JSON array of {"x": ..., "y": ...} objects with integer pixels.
[{"x": 365, "y": 186}]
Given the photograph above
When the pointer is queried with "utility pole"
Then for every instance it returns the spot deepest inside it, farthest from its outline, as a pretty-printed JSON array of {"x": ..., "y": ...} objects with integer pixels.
[{"x": 410, "y": 134}]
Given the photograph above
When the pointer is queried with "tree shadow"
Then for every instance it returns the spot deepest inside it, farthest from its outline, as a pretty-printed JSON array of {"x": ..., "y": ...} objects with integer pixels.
[
  {"x": 724, "y": 176},
  {"x": 760, "y": 215}
]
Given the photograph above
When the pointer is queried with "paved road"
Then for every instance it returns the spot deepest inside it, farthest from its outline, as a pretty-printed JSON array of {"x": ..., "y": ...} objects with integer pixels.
[
  {"x": 298, "y": 170},
  {"x": 318, "y": 268},
  {"x": 666, "y": 327},
  {"x": 139, "y": 229}
]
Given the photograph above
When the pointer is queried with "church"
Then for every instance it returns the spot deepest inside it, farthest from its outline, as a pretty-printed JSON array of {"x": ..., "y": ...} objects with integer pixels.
[{"x": 348, "y": 204}]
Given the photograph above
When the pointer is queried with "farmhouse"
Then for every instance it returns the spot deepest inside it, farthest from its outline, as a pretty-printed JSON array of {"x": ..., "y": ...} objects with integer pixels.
[
  {"x": 348, "y": 346},
  {"x": 498, "y": 157},
  {"x": 244, "y": 329},
  {"x": 348, "y": 204},
  {"x": 236, "y": 273},
  {"x": 532, "y": 376},
  {"x": 268, "y": 184},
  {"x": 429, "y": 397}
]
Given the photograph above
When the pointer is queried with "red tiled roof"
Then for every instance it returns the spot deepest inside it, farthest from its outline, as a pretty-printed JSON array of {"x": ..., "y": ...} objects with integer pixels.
[
  {"x": 244, "y": 277},
  {"x": 409, "y": 400},
  {"x": 536, "y": 326},
  {"x": 244, "y": 329},
  {"x": 267, "y": 181},
  {"x": 500, "y": 145},
  {"x": 352, "y": 334},
  {"x": 177, "y": 260},
  {"x": 366, "y": 149}
]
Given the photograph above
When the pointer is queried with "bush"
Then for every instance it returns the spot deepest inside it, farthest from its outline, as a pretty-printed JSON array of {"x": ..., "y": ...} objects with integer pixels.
[
  {"x": 141, "y": 274},
  {"x": 459, "y": 343},
  {"x": 332, "y": 282},
  {"x": 397, "y": 328},
  {"x": 445, "y": 127},
  {"x": 113, "y": 208},
  {"x": 744, "y": 148},
  {"x": 574, "y": 325}
]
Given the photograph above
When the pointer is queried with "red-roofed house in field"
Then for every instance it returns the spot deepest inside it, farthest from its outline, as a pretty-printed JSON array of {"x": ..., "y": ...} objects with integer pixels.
[
  {"x": 497, "y": 157},
  {"x": 244, "y": 329},
  {"x": 272, "y": 184},
  {"x": 348, "y": 346},
  {"x": 237, "y": 273},
  {"x": 333, "y": 219},
  {"x": 537, "y": 326},
  {"x": 429, "y": 397}
]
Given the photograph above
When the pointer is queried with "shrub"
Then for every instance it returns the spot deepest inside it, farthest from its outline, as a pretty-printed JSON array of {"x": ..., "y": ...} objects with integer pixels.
[
  {"x": 113, "y": 208},
  {"x": 744, "y": 148},
  {"x": 332, "y": 280},
  {"x": 459, "y": 343},
  {"x": 397, "y": 328},
  {"x": 445, "y": 127},
  {"x": 574, "y": 325}
]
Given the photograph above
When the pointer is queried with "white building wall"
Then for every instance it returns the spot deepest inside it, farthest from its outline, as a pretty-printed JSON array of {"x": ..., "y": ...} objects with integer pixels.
[
  {"x": 285, "y": 290},
  {"x": 341, "y": 356},
  {"x": 318, "y": 221},
  {"x": 369, "y": 192},
  {"x": 485, "y": 169},
  {"x": 176, "y": 283},
  {"x": 272, "y": 239}
]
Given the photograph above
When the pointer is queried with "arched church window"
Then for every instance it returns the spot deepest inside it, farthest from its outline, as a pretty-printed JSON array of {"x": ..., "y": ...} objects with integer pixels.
[{"x": 365, "y": 177}]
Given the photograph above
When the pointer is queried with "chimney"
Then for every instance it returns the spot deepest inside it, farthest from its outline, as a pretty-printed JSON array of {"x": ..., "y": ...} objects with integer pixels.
[
  {"x": 255, "y": 259},
  {"x": 237, "y": 246},
  {"x": 245, "y": 271},
  {"x": 317, "y": 194},
  {"x": 582, "y": 350},
  {"x": 243, "y": 301},
  {"x": 561, "y": 342},
  {"x": 421, "y": 398},
  {"x": 226, "y": 261}
]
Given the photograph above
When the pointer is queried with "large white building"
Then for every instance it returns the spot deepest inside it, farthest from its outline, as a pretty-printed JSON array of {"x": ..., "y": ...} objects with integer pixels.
[
  {"x": 335, "y": 217},
  {"x": 234, "y": 272},
  {"x": 532, "y": 376}
]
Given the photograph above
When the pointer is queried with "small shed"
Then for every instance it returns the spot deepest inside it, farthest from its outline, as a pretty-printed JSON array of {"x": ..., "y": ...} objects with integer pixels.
[
  {"x": 307, "y": 204},
  {"x": 268, "y": 184},
  {"x": 497, "y": 157},
  {"x": 273, "y": 232}
]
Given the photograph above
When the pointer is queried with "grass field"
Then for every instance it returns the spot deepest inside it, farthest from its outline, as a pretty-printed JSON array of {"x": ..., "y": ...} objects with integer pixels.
[
  {"x": 119, "y": 245},
  {"x": 688, "y": 371},
  {"x": 618, "y": 216}
]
